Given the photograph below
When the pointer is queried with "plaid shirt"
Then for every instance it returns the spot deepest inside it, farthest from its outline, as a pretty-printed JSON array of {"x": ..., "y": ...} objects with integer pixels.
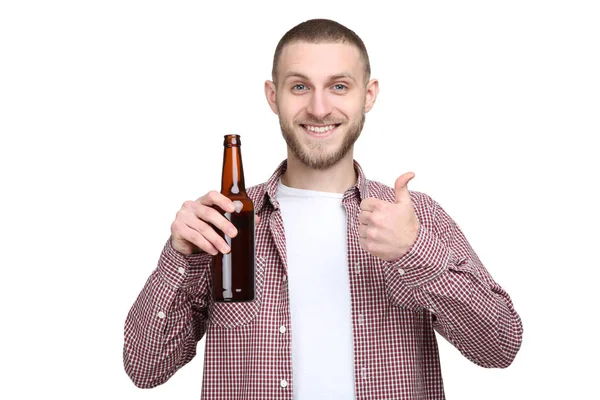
[{"x": 439, "y": 285}]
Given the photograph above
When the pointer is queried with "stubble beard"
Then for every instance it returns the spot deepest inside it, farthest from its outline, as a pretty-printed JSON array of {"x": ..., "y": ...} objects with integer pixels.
[{"x": 317, "y": 157}]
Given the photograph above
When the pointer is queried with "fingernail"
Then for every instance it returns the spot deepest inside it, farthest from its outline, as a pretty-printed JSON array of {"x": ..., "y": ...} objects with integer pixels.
[
  {"x": 231, "y": 207},
  {"x": 225, "y": 249},
  {"x": 231, "y": 232}
]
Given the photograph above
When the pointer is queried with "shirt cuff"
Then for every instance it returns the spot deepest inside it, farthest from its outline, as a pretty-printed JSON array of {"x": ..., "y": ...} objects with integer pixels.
[
  {"x": 179, "y": 270},
  {"x": 426, "y": 260}
]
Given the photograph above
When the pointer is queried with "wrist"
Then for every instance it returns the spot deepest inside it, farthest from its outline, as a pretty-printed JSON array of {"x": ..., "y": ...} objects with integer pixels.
[{"x": 425, "y": 260}]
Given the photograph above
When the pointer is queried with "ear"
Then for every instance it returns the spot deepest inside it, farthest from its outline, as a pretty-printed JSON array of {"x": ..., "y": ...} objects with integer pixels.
[
  {"x": 271, "y": 94},
  {"x": 371, "y": 95}
]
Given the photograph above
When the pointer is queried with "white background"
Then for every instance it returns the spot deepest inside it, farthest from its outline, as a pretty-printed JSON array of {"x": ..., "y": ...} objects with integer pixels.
[{"x": 112, "y": 114}]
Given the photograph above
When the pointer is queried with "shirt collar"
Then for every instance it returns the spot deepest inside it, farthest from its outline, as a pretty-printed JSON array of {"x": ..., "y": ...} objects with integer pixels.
[{"x": 360, "y": 188}]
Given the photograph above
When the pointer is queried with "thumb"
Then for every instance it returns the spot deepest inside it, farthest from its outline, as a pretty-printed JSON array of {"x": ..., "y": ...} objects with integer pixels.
[{"x": 401, "y": 186}]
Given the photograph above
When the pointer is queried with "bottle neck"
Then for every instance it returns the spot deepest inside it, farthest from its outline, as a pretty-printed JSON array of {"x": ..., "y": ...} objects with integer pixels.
[{"x": 233, "y": 172}]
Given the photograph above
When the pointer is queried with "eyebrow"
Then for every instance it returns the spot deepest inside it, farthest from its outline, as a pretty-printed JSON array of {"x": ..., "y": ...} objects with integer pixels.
[{"x": 292, "y": 74}]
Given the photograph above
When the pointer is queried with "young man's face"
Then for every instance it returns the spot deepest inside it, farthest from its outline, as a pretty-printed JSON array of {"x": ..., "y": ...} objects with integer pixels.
[{"x": 321, "y": 99}]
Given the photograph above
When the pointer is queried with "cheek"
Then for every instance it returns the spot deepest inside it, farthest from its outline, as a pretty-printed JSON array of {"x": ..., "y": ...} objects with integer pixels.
[
  {"x": 292, "y": 107},
  {"x": 287, "y": 113},
  {"x": 350, "y": 108}
]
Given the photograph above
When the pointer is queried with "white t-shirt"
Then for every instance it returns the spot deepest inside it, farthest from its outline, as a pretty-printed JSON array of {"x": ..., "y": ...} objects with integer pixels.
[{"x": 319, "y": 289}]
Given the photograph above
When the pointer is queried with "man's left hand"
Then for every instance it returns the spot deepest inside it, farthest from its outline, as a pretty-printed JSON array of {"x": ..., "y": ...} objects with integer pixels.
[{"x": 388, "y": 230}]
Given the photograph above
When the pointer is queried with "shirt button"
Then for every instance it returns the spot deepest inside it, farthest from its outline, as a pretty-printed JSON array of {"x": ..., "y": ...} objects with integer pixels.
[
  {"x": 285, "y": 278},
  {"x": 363, "y": 373},
  {"x": 181, "y": 270},
  {"x": 357, "y": 268},
  {"x": 282, "y": 329},
  {"x": 161, "y": 315},
  {"x": 361, "y": 319},
  {"x": 283, "y": 383},
  {"x": 400, "y": 271}
]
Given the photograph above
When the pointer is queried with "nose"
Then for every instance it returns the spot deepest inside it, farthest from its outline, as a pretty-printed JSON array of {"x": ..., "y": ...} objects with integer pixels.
[{"x": 319, "y": 105}]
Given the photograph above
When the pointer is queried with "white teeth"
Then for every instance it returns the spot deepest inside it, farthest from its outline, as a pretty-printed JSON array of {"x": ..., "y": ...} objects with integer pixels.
[{"x": 320, "y": 129}]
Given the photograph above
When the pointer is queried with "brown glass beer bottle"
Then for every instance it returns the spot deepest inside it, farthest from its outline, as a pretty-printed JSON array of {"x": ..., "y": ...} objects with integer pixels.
[{"x": 233, "y": 273}]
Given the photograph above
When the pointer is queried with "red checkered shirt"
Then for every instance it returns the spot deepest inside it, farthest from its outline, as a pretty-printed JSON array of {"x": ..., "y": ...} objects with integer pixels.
[{"x": 439, "y": 285}]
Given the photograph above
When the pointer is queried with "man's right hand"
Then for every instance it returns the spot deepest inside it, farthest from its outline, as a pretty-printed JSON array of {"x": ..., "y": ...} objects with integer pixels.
[{"x": 191, "y": 231}]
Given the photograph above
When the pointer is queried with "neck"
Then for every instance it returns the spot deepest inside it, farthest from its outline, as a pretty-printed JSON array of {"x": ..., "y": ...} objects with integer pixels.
[
  {"x": 336, "y": 179},
  {"x": 232, "y": 181}
]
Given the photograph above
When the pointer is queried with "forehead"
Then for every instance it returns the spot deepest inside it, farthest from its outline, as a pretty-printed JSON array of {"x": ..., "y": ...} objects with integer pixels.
[{"x": 319, "y": 60}]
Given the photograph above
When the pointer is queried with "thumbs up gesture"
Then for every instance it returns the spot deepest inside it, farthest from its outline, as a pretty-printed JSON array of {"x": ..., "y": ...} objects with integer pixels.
[{"x": 388, "y": 230}]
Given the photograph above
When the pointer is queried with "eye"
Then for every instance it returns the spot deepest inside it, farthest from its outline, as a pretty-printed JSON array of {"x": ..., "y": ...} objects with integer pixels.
[
  {"x": 299, "y": 87},
  {"x": 339, "y": 87}
]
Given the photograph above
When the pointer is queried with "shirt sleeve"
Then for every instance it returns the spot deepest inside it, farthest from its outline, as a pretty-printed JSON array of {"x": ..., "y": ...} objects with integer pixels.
[
  {"x": 167, "y": 319},
  {"x": 447, "y": 278}
]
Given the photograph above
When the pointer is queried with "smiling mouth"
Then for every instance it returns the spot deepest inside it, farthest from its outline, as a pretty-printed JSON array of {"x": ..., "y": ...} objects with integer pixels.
[{"x": 320, "y": 129}]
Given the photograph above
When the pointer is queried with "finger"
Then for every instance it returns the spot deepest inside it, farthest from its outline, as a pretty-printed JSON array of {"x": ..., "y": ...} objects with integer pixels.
[
  {"x": 401, "y": 186},
  {"x": 369, "y": 204},
  {"x": 214, "y": 198},
  {"x": 256, "y": 220},
  {"x": 362, "y": 231},
  {"x": 196, "y": 238},
  {"x": 208, "y": 233},
  {"x": 214, "y": 217},
  {"x": 364, "y": 217},
  {"x": 363, "y": 243},
  {"x": 370, "y": 246}
]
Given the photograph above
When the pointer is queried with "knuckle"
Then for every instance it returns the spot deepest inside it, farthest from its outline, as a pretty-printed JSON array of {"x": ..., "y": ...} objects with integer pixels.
[
  {"x": 189, "y": 205},
  {"x": 176, "y": 228},
  {"x": 213, "y": 195},
  {"x": 179, "y": 215}
]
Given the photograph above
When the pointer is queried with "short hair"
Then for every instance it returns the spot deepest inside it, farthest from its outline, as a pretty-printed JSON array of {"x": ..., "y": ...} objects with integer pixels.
[{"x": 321, "y": 31}]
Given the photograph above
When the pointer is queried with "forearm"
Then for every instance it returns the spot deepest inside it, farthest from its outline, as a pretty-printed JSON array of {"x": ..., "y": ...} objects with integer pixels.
[
  {"x": 447, "y": 278},
  {"x": 167, "y": 319},
  {"x": 477, "y": 319}
]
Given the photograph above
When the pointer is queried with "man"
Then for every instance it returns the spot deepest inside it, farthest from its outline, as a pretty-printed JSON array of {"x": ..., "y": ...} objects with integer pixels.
[{"x": 353, "y": 277}]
